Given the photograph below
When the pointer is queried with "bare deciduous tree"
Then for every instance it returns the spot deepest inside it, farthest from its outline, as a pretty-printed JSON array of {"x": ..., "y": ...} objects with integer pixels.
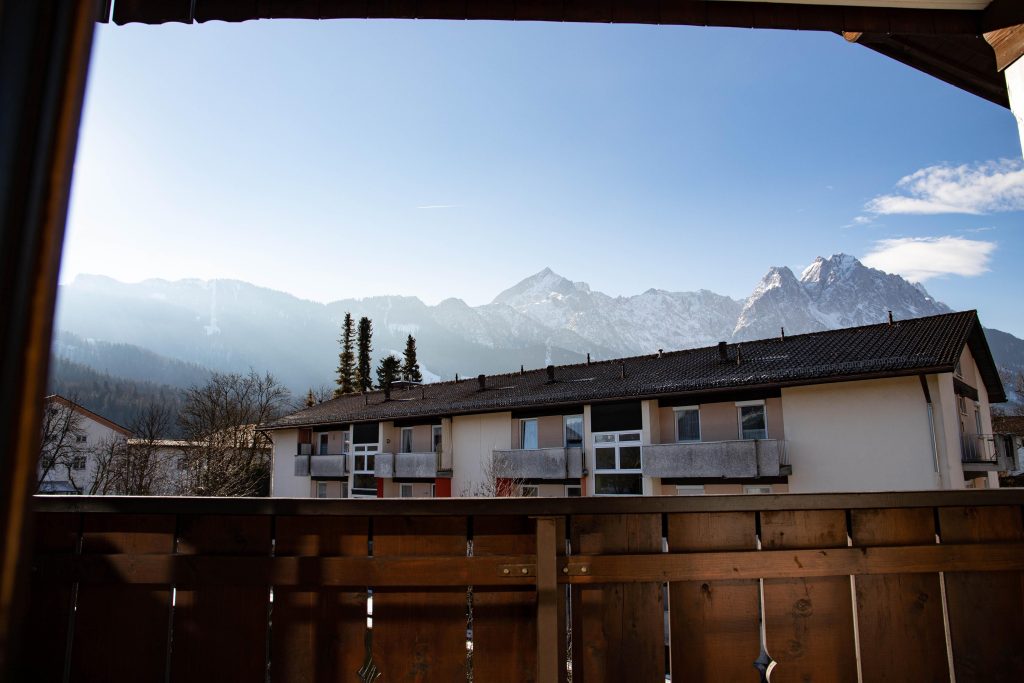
[
  {"x": 227, "y": 454},
  {"x": 496, "y": 481},
  {"x": 140, "y": 466},
  {"x": 62, "y": 447}
]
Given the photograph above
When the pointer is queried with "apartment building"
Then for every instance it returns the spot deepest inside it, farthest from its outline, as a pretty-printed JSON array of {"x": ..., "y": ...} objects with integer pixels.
[
  {"x": 72, "y": 437},
  {"x": 896, "y": 406}
]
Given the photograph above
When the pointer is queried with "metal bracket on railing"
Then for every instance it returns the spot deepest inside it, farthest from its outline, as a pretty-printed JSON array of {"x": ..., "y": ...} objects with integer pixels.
[{"x": 514, "y": 570}]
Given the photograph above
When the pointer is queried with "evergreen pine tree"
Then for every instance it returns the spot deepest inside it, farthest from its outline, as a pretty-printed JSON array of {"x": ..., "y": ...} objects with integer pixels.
[
  {"x": 346, "y": 359},
  {"x": 364, "y": 378},
  {"x": 387, "y": 373},
  {"x": 410, "y": 367}
]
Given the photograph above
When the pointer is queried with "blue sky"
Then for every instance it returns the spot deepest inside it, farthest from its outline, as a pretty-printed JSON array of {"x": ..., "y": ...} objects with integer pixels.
[{"x": 436, "y": 159}]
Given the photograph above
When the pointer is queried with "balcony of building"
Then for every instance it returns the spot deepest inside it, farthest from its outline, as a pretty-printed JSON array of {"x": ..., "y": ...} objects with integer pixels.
[
  {"x": 426, "y": 465},
  {"x": 737, "y": 459},
  {"x": 321, "y": 463},
  {"x": 979, "y": 453},
  {"x": 539, "y": 463}
]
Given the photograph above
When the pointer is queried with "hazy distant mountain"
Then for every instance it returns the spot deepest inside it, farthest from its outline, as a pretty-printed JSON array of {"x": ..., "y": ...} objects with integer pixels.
[{"x": 227, "y": 325}]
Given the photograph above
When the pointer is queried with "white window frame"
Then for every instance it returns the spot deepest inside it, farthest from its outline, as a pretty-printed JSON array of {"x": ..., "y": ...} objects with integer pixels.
[
  {"x": 361, "y": 466},
  {"x": 81, "y": 438},
  {"x": 690, "y": 490},
  {"x": 321, "y": 489},
  {"x": 79, "y": 463},
  {"x": 323, "y": 443},
  {"x": 739, "y": 418},
  {"x": 435, "y": 432},
  {"x": 601, "y": 440},
  {"x": 757, "y": 489},
  {"x": 579, "y": 490},
  {"x": 406, "y": 491},
  {"x": 675, "y": 415},
  {"x": 401, "y": 440},
  {"x": 565, "y": 431},
  {"x": 522, "y": 433}
]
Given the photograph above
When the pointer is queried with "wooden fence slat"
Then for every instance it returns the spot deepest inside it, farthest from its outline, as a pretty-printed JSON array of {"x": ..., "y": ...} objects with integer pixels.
[
  {"x": 985, "y": 608},
  {"x": 504, "y": 639},
  {"x": 809, "y": 621},
  {"x": 420, "y": 637},
  {"x": 902, "y": 635},
  {"x": 136, "y": 618},
  {"x": 213, "y": 624},
  {"x": 618, "y": 629},
  {"x": 714, "y": 624},
  {"x": 46, "y": 625},
  {"x": 318, "y": 634}
]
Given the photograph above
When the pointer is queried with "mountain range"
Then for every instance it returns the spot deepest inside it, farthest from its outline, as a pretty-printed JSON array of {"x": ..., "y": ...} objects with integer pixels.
[{"x": 174, "y": 332}]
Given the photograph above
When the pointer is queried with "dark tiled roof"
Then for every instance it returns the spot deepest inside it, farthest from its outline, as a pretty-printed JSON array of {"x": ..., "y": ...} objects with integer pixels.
[
  {"x": 1008, "y": 424},
  {"x": 905, "y": 347}
]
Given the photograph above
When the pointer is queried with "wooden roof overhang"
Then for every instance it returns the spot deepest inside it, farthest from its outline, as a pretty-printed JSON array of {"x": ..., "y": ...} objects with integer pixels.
[{"x": 966, "y": 43}]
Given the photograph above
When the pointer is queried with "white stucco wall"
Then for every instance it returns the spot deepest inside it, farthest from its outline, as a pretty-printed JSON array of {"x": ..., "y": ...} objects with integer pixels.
[
  {"x": 97, "y": 437},
  {"x": 474, "y": 437},
  {"x": 870, "y": 435},
  {"x": 1015, "y": 86},
  {"x": 283, "y": 482}
]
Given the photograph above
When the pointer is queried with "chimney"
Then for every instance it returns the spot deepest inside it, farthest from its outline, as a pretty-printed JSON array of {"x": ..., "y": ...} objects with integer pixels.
[
  {"x": 622, "y": 369},
  {"x": 739, "y": 354},
  {"x": 551, "y": 373},
  {"x": 456, "y": 378},
  {"x": 588, "y": 359},
  {"x": 660, "y": 351},
  {"x": 890, "y": 317},
  {"x": 782, "y": 333},
  {"x": 387, "y": 392},
  {"x": 522, "y": 369},
  {"x": 482, "y": 379},
  {"x": 723, "y": 351}
]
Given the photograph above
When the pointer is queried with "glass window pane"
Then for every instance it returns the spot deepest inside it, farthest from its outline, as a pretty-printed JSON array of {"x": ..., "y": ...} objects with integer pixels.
[
  {"x": 364, "y": 481},
  {"x": 618, "y": 484},
  {"x": 369, "y": 463},
  {"x": 604, "y": 438},
  {"x": 574, "y": 431},
  {"x": 752, "y": 422},
  {"x": 605, "y": 458},
  {"x": 629, "y": 458},
  {"x": 688, "y": 425},
  {"x": 528, "y": 434},
  {"x": 406, "y": 440},
  {"x": 629, "y": 437},
  {"x": 436, "y": 434}
]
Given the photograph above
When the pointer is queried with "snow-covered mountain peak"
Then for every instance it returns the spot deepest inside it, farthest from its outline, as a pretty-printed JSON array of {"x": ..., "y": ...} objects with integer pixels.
[
  {"x": 838, "y": 266},
  {"x": 537, "y": 288},
  {"x": 777, "y": 277}
]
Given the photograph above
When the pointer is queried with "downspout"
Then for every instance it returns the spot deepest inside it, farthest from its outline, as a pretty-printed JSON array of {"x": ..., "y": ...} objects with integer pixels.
[{"x": 931, "y": 429}]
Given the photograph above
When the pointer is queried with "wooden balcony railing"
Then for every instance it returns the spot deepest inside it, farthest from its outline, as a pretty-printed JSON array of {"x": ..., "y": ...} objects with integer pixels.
[{"x": 894, "y": 586}]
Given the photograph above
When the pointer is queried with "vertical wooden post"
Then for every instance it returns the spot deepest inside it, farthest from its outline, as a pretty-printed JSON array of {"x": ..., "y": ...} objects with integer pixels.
[{"x": 547, "y": 600}]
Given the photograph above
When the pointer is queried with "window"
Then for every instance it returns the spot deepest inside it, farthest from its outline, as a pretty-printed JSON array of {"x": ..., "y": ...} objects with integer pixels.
[
  {"x": 961, "y": 404},
  {"x": 48, "y": 461},
  {"x": 435, "y": 439},
  {"x": 695, "y": 490},
  {"x": 324, "y": 438},
  {"x": 753, "y": 422},
  {"x": 81, "y": 438},
  {"x": 529, "y": 491},
  {"x": 405, "y": 443},
  {"x": 321, "y": 489},
  {"x": 405, "y": 490},
  {"x": 573, "y": 491},
  {"x": 528, "y": 434},
  {"x": 757, "y": 489},
  {"x": 78, "y": 462},
  {"x": 346, "y": 441},
  {"x": 688, "y": 423},
  {"x": 617, "y": 461},
  {"x": 573, "y": 431},
  {"x": 958, "y": 371},
  {"x": 364, "y": 483},
  {"x": 433, "y": 490}
]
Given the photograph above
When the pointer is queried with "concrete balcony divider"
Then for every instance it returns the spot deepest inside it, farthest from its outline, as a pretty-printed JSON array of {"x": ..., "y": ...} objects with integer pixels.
[
  {"x": 406, "y": 465},
  {"x": 327, "y": 465},
  {"x": 740, "y": 459},
  {"x": 539, "y": 463}
]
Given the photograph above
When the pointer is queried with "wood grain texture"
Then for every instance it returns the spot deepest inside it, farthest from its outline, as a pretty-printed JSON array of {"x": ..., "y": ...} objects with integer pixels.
[
  {"x": 809, "y": 621},
  {"x": 213, "y": 624},
  {"x": 44, "y": 644},
  {"x": 986, "y": 609},
  {"x": 619, "y": 632},
  {"x": 420, "y": 637},
  {"x": 900, "y": 616},
  {"x": 318, "y": 635},
  {"x": 137, "y": 618},
  {"x": 504, "y": 637},
  {"x": 715, "y": 625}
]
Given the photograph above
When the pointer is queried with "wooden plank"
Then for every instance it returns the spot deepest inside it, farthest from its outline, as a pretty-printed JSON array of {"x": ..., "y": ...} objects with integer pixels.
[
  {"x": 319, "y": 634},
  {"x": 809, "y": 621},
  {"x": 900, "y": 616},
  {"x": 420, "y": 636},
  {"x": 214, "y": 625},
  {"x": 986, "y": 610},
  {"x": 504, "y": 640},
  {"x": 45, "y": 639},
  {"x": 715, "y": 625},
  {"x": 135, "y": 617},
  {"x": 618, "y": 632}
]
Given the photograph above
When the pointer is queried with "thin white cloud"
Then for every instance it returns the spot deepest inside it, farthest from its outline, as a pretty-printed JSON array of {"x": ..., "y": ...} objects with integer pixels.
[
  {"x": 986, "y": 187},
  {"x": 922, "y": 258},
  {"x": 439, "y": 206}
]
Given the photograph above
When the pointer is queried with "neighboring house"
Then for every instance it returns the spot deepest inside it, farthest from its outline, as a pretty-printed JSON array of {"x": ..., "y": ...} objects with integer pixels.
[
  {"x": 69, "y": 465},
  {"x": 1010, "y": 431},
  {"x": 894, "y": 406}
]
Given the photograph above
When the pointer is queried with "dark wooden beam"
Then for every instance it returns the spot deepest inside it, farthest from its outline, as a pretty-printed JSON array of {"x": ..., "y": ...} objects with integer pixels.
[
  {"x": 679, "y": 12},
  {"x": 1007, "y": 43},
  {"x": 1002, "y": 14}
]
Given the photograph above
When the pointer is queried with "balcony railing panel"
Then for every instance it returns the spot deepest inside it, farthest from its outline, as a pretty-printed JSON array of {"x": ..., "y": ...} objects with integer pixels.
[
  {"x": 740, "y": 459},
  {"x": 978, "y": 451},
  {"x": 328, "y": 465},
  {"x": 724, "y": 558},
  {"x": 539, "y": 463}
]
